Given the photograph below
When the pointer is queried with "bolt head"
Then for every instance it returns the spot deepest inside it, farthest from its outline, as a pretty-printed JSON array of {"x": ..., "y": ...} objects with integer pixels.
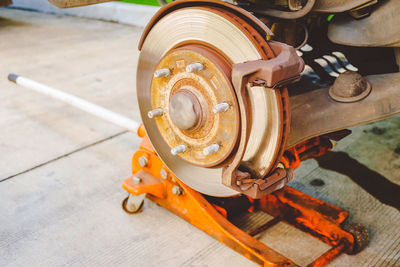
[
  {"x": 136, "y": 180},
  {"x": 143, "y": 161},
  {"x": 177, "y": 190},
  {"x": 164, "y": 174}
]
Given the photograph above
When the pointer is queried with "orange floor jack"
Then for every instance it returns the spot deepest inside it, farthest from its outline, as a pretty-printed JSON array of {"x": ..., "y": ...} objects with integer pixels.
[{"x": 324, "y": 221}]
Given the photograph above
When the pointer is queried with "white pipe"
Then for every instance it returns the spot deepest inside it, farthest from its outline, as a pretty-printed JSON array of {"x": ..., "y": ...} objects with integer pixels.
[{"x": 77, "y": 102}]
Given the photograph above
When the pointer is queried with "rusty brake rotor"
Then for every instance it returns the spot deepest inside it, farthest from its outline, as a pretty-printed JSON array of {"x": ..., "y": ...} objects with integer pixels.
[{"x": 189, "y": 107}]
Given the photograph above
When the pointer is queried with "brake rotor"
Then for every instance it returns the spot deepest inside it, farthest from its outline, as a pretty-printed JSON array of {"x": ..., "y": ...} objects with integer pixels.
[{"x": 183, "y": 80}]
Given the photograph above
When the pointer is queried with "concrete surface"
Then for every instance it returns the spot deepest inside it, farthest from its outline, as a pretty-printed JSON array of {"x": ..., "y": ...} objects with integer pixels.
[
  {"x": 61, "y": 169},
  {"x": 136, "y": 15}
]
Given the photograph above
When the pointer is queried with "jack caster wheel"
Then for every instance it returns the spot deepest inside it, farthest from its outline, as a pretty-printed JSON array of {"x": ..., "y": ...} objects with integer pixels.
[
  {"x": 133, "y": 204},
  {"x": 361, "y": 236}
]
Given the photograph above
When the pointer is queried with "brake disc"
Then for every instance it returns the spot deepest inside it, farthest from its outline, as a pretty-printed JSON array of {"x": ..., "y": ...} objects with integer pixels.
[{"x": 184, "y": 81}]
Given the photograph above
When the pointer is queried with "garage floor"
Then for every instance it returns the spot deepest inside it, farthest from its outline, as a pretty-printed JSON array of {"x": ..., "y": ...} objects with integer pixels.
[{"x": 61, "y": 169}]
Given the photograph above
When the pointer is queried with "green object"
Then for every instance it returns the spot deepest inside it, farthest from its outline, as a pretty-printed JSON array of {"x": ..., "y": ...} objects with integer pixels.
[
  {"x": 143, "y": 2},
  {"x": 330, "y": 17}
]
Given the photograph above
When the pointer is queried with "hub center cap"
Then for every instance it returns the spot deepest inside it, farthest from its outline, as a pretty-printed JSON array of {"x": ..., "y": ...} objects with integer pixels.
[{"x": 184, "y": 110}]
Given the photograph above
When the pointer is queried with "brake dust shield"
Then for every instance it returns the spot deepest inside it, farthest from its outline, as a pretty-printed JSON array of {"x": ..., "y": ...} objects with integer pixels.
[{"x": 187, "y": 101}]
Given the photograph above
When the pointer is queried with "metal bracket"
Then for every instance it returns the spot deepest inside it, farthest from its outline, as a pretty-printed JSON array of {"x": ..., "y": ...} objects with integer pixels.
[{"x": 284, "y": 68}]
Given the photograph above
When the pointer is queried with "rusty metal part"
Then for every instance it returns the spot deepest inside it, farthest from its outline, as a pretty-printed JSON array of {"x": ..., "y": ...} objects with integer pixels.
[
  {"x": 313, "y": 216},
  {"x": 360, "y": 234},
  {"x": 337, "y": 6},
  {"x": 381, "y": 28},
  {"x": 328, "y": 256},
  {"x": 309, "y": 215},
  {"x": 264, "y": 113},
  {"x": 315, "y": 113},
  {"x": 257, "y": 188},
  {"x": 196, "y": 125},
  {"x": 262, "y": 10},
  {"x": 363, "y": 10},
  {"x": 286, "y": 67},
  {"x": 295, "y": 5},
  {"x": 308, "y": 149},
  {"x": 76, "y": 3},
  {"x": 249, "y": 45},
  {"x": 349, "y": 87}
]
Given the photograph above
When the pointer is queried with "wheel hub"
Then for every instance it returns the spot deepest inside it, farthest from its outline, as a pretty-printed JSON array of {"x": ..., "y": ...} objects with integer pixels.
[{"x": 198, "y": 81}]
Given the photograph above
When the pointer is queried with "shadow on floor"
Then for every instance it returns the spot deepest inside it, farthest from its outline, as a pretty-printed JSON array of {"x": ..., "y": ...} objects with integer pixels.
[
  {"x": 5, "y": 23},
  {"x": 372, "y": 182}
]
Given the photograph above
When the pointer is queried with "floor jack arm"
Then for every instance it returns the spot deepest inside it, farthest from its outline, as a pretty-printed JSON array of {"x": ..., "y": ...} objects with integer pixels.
[
  {"x": 317, "y": 218},
  {"x": 194, "y": 208}
]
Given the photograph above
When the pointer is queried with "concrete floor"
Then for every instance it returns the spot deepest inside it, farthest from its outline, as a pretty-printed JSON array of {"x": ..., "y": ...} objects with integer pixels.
[{"x": 61, "y": 169}]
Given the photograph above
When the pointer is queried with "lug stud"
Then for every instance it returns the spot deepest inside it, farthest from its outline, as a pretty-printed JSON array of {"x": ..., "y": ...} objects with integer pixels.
[
  {"x": 194, "y": 67},
  {"x": 214, "y": 148},
  {"x": 162, "y": 73},
  {"x": 178, "y": 149},
  {"x": 155, "y": 113},
  {"x": 221, "y": 107}
]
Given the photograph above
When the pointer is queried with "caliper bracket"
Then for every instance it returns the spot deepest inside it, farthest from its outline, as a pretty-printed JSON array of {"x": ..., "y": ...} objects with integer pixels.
[{"x": 273, "y": 73}]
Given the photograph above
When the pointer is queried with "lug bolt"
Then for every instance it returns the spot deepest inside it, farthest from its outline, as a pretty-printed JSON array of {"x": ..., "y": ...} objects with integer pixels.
[
  {"x": 162, "y": 73},
  {"x": 178, "y": 149},
  {"x": 221, "y": 107},
  {"x": 143, "y": 161},
  {"x": 136, "y": 180},
  {"x": 194, "y": 67},
  {"x": 177, "y": 190},
  {"x": 164, "y": 174},
  {"x": 155, "y": 113},
  {"x": 214, "y": 148}
]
